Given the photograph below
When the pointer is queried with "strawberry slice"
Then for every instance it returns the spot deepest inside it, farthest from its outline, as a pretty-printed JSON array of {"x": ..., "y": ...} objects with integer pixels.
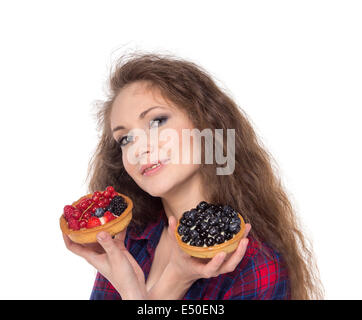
[
  {"x": 93, "y": 222},
  {"x": 108, "y": 216}
]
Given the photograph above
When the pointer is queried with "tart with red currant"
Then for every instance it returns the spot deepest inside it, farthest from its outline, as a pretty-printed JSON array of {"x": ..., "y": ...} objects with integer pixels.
[
  {"x": 209, "y": 229},
  {"x": 106, "y": 210}
]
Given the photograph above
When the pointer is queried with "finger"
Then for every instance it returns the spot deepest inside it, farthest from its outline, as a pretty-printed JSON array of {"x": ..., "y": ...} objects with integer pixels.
[
  {"x": 171, "y": 229},
  {"x": 109, "y": 246},
  {"x": 210, "y": 269},
  {"x": 119, "y": 239},
  {"x": 235, "y": 258},
  {"x": 172, "y": 226},
  {"x": 96, "y": 247},
  {"x": 136, "y": 267},
  {"x": 78, "y": 249},
  {"x": 247, "y": 230},
  {"x": 245, "y": 234}
]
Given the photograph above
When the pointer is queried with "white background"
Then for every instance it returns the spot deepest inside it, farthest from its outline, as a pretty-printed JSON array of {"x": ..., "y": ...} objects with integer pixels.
[{"x": 293, "y": 66}]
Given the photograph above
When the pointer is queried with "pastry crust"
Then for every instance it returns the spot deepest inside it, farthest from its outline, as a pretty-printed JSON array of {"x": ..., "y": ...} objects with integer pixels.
[
  {"x": 209, "y": 252},
  {"x": 90, "y": 235}
]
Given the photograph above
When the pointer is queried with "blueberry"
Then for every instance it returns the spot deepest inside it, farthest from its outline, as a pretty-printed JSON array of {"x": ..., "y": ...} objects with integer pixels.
[
  {"x": 214, "y": 230},
  {"x": 192, "y": 214},
  {"x": 234, "y": 227},
  {"x": 183, "y": 220},
  {"x": 225, "y": 219},
  {"x": 219, "y": 238},
  {"x": 233, "y": 214},
  {"x": 189, "y": 223},
  {"x": 227, "y": 209},
  {"x": 199, "y": 242},
  {"x": 203, "y": 234},
  {"x": 228, "y": 235},
  {"x": 235, "y": 220},
  {"x": 210, "y": 241},
  {"x": 203, "y": 205},
  {"x": 186, "y": 238},
  {"x": 203, "y": 215},
  {"x": 99, "y": 212},
  {"x": 210, "y": 210},
  {"x": 208, "y": 215},
  {"x": 198, "y": 221},
  {"x": 204, "y": 226},
  {"x": 193, "y": 234},
  {"x": 186, "y": 214},
  {"x": 223, "y": 226},
  {"x": 182, "y": 230},
  {"x": 213, "y": 221},
  {"x": 218, "y": 213}
]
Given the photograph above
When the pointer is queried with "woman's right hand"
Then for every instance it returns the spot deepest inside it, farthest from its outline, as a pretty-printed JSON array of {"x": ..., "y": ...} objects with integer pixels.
[{"x": 112, "y": 259}]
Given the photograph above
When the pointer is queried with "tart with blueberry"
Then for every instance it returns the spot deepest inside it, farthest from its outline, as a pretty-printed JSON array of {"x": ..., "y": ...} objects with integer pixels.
[
  {"x": 208, "y": 229},
  {"x": 106, "y": 210}
]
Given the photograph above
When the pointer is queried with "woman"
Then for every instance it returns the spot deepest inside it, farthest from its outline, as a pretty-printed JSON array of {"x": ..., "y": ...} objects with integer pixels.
[{"x": 272, "y": 261}]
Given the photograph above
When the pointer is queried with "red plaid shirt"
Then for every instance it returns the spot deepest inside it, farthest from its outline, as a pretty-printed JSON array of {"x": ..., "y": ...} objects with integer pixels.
[{"x": 255, "y": 277}]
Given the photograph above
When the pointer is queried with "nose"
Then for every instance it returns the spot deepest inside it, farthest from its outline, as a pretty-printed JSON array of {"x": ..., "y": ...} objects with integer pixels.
[{"x": 144, "y": 150}]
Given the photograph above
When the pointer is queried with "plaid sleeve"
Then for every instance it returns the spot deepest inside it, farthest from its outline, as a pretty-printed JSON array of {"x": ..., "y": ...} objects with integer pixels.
[
  {"x": 103, "y": 290},
  {"x": 261, "y": 277}
]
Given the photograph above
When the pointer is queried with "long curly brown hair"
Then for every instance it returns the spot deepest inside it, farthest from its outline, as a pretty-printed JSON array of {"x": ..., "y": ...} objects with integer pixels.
[{"x": 254, "y": 188}]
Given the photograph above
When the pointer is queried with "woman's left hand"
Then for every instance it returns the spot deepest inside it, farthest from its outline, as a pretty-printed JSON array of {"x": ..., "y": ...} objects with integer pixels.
[
  {"x": 192, "y": 268},
  {"x": 182, "y": 269},
  {"x": 115, "y": 263}
]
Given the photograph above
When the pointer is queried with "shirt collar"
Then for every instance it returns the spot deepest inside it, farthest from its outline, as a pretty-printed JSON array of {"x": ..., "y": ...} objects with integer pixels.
[{"x": 152, "y": 231}]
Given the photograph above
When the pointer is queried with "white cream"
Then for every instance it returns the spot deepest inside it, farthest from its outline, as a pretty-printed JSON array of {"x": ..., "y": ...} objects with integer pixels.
[{"x": 102, "y": 220}]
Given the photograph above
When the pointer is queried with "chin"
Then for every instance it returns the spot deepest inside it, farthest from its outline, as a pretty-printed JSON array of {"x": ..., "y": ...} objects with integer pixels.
[{"x": 157, "y": 190}]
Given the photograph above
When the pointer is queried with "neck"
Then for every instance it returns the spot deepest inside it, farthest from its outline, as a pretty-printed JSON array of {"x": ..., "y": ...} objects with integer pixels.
[{"x": 183, "y": 197}]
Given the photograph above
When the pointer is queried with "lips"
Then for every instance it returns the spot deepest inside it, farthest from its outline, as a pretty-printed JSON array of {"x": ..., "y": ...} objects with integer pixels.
[{"x": 150, "y": 165}]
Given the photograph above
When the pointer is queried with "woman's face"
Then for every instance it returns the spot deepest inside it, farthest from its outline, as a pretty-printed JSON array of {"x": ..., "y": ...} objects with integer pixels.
[{"x": 140, "y": 109}]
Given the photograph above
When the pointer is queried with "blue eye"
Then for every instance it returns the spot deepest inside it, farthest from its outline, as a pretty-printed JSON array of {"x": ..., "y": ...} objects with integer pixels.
[
  {"x": 153, "y": 123},
  {"x": 159, "y": 120},
  {"x": 125, "y": 140}
]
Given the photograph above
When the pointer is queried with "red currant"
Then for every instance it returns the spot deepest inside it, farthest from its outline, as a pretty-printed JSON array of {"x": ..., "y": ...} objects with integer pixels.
[
  {"x": 97, "y": 194},
  {"x": 86, "y": 215},
  {"x": 94, "y": 208},
  {"x": 83, "y": 204},
  {"x": 101, "y": 203},
  {"x": 110, "y": 189},
  {"x": 106, "y": 194}
]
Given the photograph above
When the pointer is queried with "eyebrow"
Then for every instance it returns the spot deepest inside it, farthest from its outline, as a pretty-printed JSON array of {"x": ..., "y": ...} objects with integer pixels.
[{"x": 141, "y": 116}]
